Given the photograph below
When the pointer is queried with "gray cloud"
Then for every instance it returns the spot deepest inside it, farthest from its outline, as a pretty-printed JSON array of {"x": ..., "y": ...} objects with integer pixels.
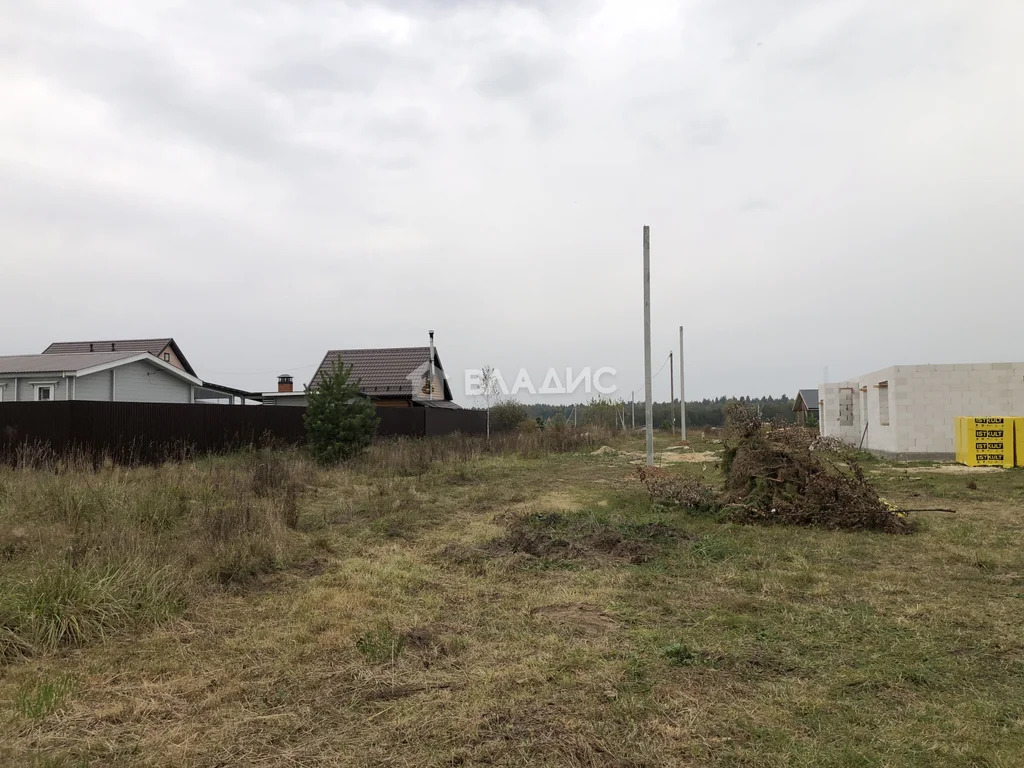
[
  {"x": 708, "y": 131},
  {"x": 357, "y": 66},
  {"x": 514, "y": 74}
]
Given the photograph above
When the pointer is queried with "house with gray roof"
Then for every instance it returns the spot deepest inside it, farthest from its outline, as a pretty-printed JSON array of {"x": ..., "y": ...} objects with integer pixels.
[
  {"x": 806, "y": 405},
  {"x": 111, "y": 375}
]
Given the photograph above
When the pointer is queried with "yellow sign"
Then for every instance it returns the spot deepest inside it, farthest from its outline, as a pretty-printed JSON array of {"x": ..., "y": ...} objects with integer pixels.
[{"x": 985, "y": 441}]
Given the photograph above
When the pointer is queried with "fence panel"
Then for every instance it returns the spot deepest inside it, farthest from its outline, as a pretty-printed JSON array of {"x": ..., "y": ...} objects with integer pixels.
[
  {"x": 157, "y": 431},
  {"x": 443, "y": 421},
  {"x": 396, "y": 422}
]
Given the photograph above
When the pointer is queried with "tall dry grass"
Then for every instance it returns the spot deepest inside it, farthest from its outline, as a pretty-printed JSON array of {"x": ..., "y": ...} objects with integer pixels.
[
  {"x": 87, "y": 550},
  {"x": 84, "y": 552},
  {"x": 403, "y": 456}
]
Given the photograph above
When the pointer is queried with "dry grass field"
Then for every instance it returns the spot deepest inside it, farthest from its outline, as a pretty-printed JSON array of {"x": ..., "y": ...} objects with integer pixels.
[{"x": 437, "y": 604}]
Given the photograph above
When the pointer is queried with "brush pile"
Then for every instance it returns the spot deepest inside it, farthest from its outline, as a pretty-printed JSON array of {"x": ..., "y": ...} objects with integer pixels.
[{"x": 785, "y": 474}]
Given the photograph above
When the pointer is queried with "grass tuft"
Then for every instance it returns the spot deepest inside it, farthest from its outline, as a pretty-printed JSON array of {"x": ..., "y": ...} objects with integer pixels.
[{"x": 37, "y": 700}]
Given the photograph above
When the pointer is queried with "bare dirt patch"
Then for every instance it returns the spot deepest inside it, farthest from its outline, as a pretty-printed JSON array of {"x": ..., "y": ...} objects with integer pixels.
[
  {"x": 959, "y": 469},
  {"x": 581, "y": 618},
  {"x": 694, "y": 457},
  {"x": 559, "y": 537}
]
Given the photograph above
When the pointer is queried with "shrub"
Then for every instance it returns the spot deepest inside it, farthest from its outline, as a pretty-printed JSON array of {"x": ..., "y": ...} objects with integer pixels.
[
  {"x": 507, "y": 415},
  {"x": 340, "y": 422}
]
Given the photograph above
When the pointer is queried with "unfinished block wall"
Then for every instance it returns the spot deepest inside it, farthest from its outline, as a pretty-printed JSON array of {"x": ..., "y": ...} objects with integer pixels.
[{"x": 921, "y": 402}]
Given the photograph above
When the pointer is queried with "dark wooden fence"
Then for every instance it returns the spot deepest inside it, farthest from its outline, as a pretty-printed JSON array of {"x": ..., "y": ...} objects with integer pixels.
[{"x": 148, "y": 432}]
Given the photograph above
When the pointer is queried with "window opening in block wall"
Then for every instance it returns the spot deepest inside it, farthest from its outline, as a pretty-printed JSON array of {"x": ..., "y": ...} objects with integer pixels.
[
  {"x": 883, "y": 403},
  {"x": 846, "y": 407}
]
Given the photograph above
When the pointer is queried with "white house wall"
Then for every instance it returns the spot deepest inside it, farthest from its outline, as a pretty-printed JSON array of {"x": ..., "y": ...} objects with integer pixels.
[
  {"x": 288, "y": 401},
  {"x": 923, "y": 402}
]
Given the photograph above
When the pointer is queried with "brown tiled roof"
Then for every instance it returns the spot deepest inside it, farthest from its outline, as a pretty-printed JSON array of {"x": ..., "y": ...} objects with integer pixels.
[
  {"x": 385, "y": 372},
  {"x": 153, "y": 346}
]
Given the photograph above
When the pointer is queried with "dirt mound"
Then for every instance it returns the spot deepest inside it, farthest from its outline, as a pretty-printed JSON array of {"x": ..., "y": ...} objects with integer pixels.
[
  {"x": 564, "y": 537},
  {"x": 785, "y": 474}
]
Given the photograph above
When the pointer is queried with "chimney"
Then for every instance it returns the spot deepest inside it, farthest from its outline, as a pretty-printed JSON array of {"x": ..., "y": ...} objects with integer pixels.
[
  {"x": 431, "y": 389},
  {"x": 284, "y": 383}
]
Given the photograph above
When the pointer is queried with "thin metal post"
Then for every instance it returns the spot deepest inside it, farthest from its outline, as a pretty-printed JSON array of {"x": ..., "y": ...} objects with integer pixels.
[
  {"x": 682, "y": 388},
  {"x": 649, "y": 395},
  {"x": 672, "y": 391},
  {"x": 632, "y": 408},
  {"x": 431, "y": 387}
]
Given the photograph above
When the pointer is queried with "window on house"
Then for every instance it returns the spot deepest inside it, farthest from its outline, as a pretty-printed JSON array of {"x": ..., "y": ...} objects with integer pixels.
[
  {"x": 167, "y": 357},
  {"x": 44, "y": 393},
  {"x": 846, "y": 407},
  {"x": 883, "y": 403}
]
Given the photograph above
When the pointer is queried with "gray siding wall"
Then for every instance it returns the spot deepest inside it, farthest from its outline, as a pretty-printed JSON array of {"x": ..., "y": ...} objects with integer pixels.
[
  {"x": 139, "y": 382},
  {"x": 27, "y": 393},
  {"x": 96, "y": 386},
  {"x": 144, "y": 383}
]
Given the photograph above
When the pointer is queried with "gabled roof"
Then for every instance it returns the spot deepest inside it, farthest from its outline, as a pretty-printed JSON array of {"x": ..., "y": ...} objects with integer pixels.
[
  {"x": 809, "y": 398},
  {"x": 153, "y": 346},
  {"x": 82, "y": 364},
  {"x": 59, "y": 363},
  {"x": 386, "y": 372}
]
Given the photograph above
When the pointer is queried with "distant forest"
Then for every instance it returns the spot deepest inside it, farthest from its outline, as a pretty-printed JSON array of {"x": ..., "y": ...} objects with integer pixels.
[{"x": 699, "y": 413}]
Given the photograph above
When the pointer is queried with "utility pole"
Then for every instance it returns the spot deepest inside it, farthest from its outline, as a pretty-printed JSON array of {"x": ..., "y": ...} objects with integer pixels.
[
  {"x": 672, "y": 391},
  {"x": 649, "y": 404},
  {"x": 682, "y": 388},
  {"x": 632, "y": 407}
]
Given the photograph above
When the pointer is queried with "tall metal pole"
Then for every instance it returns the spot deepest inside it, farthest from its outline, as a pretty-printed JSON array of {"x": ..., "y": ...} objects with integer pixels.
[
  {"x": 672, "y": 391},
  {"x": 431, "y": 390},
  {"x": 649, "y": 404},
  {"x": 682, "y": 388}
]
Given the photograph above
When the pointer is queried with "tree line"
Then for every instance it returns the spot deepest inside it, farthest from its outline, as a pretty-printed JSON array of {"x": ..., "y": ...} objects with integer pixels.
[{"x": 709, "y": 412}]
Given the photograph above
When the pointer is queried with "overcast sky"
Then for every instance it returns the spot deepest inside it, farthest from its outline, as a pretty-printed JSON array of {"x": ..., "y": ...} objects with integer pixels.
[{"x": 827, "y": 183}]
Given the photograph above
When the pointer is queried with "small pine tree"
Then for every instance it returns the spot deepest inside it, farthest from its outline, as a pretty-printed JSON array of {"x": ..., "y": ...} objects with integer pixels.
[{"x": 340, "y": 422}]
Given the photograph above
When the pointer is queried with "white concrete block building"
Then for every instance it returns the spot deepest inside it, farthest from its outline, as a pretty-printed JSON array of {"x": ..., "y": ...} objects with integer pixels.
[{"x": 907, "y": 411}]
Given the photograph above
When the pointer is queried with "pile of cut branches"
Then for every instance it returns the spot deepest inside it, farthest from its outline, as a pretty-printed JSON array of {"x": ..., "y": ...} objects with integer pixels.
[
  {"x": 671, "y": 489},
  {"x": 785, "y": 474}
]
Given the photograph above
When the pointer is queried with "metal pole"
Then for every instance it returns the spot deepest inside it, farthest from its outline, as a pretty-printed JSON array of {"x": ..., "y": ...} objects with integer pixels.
[
  {"x": 632, "y": 408},
  {"x": 672, "y": 391},
  {"x": 682, "y": 388},
  {"x": 649, "y": 402},
  {"x": 431, "y": 388}
]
